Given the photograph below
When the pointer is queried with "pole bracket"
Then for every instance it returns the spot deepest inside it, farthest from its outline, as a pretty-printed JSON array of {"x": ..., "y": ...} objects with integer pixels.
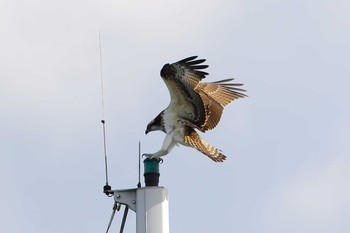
[{"x": 126, "y": 197}]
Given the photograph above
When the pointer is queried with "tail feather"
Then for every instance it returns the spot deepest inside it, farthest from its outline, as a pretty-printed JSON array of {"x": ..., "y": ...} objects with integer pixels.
[{"x": 194, "y": 140}]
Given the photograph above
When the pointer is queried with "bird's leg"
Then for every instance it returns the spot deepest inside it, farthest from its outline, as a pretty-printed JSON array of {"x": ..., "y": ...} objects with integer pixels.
[{"x": 168, "y": 144}]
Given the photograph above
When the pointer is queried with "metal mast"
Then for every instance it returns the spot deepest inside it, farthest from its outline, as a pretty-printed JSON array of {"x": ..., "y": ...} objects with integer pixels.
[{"x": 150, "y": 203}]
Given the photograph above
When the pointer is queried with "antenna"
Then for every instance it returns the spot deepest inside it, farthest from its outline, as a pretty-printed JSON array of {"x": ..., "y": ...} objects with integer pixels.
[
  {"x": 139, "y": 183},
  {"x": 107, "y": 188},
  {"x": 101, "y": 75}
]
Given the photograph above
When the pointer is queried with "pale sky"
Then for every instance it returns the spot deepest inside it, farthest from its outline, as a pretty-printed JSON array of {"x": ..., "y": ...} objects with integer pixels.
[{"x": 288, "y": 166}]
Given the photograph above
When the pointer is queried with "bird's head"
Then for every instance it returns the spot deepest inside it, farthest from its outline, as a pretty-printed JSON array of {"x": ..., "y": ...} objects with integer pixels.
[{"x": 156, "y": 124}]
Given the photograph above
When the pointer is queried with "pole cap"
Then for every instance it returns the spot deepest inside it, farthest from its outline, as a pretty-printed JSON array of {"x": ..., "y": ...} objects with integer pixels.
[{"x": 151, "y": 168}]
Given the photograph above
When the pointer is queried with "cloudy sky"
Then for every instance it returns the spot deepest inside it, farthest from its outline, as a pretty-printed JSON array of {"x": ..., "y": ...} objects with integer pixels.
[{"x": 287, "y": 144}]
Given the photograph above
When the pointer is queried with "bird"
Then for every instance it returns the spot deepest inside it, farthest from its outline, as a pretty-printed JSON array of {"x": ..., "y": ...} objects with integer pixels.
[{"x": 194, "y": 105}]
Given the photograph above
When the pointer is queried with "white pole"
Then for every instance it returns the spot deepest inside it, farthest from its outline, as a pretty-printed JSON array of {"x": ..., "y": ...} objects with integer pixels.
[
  {"x": 150, "y": 203},
  {"x": 152, "y": 210}
]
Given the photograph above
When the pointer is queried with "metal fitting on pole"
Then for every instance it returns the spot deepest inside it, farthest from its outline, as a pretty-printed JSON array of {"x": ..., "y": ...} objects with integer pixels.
[{"x": 151, "y": 168}]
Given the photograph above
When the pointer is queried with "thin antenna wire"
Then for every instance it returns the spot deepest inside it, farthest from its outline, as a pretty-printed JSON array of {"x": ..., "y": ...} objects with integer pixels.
[
  {"x": 139, "y": 183},
  {"x": 106, "y": 188},
  {"x": 101, "y": 74}
]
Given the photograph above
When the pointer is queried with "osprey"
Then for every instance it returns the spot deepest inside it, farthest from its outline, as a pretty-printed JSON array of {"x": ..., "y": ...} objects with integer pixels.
[{"x": 194, "y": 105}]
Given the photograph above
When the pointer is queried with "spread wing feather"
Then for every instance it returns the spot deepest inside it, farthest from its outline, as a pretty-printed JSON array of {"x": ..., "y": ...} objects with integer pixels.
[
  {"x": 201, "y": 103},
  {"x": 181, "y": 78},
  {"x": 213, "y": 111},
  {"x": 223, "y": 92},
  {"x": 218, "y": 95},
  {"x": 190, "y": 72}
]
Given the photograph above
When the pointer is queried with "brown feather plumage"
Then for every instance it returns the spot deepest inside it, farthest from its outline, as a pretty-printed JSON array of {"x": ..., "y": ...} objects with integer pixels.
[{"x": 193, "y": 139}]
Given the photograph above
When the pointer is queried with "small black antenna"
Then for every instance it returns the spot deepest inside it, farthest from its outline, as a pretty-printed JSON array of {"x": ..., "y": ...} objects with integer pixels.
[
  {"x": 107, "y": 188},
  {"x": 139, "y": 183}
]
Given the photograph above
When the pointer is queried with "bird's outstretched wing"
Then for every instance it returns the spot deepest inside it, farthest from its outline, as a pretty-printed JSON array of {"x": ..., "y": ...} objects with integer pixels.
[
  {"x": 182, "y": 78},
  {"x": 200, "y": 103},
  {"x": 215, "y": 97},
  {"x": 193, "y": 139}
]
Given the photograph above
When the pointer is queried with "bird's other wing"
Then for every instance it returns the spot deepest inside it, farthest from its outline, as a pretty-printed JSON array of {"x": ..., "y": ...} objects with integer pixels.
[
  {"x": 216, "y": 96},
  {"x": 193, "y": 139},
  {"x": 182, "y": 78},
  {"x": 223, "y": 91}
]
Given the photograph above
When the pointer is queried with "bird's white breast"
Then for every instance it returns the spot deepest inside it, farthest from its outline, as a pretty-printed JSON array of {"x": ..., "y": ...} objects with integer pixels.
[{"x": 169, "y": 120}]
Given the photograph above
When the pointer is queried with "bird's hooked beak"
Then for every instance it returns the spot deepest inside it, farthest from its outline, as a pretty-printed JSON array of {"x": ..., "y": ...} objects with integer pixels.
[{"x": 147, "y": 130}]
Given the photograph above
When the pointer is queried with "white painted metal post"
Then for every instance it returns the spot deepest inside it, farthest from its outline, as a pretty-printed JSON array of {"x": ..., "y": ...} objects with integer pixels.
[
  {"x": 150, "y": 203},
  {"x": 152, "y": 210}
]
